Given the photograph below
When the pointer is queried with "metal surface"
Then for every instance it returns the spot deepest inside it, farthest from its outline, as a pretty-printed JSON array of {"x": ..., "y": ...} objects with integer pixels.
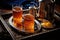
[
  {"x": 7, "y": 27},
  {"x": 11, "y": 23},
  {"x": 43, "y": 32}
]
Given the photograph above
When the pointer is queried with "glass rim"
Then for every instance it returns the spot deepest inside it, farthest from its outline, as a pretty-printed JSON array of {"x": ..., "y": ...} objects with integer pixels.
[
  {"x": 13, "y": 9},
  {"x": 33, "y": 7}
]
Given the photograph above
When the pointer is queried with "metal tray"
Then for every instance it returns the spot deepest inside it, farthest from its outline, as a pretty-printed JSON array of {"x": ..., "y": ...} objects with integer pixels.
[
  {"x": 37, "y": 25},
  {"x": 19, "y": 36}
]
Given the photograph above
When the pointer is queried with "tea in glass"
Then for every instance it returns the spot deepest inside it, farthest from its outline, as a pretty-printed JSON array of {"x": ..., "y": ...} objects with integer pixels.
[
  {"x": 17, "y": 16},
  {"x": 29, "y": 23}
]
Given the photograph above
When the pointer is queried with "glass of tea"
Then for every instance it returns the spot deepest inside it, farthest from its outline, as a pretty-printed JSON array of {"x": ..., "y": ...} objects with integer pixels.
[
  {"x": 17, "y": 16},
  {"x": 32, "y": 10},
  {"x": 29, "y": 23}
]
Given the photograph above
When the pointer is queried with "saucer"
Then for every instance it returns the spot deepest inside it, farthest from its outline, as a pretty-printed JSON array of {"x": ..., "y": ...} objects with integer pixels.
[{"x": 36, "y": 28}]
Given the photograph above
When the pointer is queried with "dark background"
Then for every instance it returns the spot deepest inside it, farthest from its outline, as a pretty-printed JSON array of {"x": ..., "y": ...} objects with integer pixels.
[{"x": 7, "y": 4}]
